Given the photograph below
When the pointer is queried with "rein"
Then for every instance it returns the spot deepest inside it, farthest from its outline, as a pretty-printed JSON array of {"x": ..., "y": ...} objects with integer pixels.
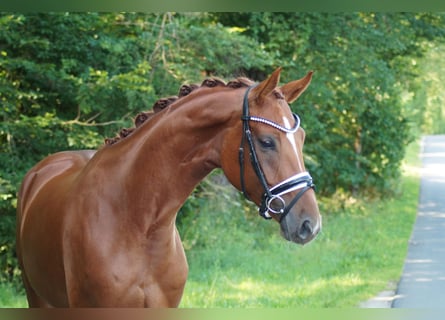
[{"x": 271, "y": 196}]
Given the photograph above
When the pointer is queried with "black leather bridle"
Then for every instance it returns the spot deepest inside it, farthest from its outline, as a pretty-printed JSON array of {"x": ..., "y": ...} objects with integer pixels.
[{"x": 271, "y": 196}]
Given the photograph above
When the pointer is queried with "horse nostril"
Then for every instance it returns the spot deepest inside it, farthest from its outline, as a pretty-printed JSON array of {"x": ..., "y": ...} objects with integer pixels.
[{"x": 306, "y": 230}]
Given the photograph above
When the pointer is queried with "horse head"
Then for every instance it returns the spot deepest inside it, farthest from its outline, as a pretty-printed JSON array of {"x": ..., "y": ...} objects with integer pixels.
[{"x": 269, "y": 160}]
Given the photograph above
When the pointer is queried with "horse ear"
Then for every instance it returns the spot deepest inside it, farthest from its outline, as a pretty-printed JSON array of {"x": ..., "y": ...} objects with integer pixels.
[
  {"x": 294, "y": 89},
  {"x": 266, "y": 86}
]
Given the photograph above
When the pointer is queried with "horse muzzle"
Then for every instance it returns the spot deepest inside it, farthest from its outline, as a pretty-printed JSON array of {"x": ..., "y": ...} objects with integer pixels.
[{"x": 300, "y": 230}]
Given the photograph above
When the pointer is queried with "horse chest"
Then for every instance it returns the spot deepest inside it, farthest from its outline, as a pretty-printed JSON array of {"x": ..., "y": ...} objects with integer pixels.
[{"x": 128, "y": 274}]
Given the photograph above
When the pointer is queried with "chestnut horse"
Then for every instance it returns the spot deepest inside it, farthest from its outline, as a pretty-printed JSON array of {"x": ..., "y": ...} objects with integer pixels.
[{"x": 97, "y": 228}]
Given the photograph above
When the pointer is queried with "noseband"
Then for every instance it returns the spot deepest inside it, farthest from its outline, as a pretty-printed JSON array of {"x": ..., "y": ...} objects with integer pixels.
[{"x": 271, "y": 196}]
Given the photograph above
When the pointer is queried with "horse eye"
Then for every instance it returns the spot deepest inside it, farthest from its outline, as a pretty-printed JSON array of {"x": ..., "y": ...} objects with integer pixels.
[{"x": 267, "y": 143}]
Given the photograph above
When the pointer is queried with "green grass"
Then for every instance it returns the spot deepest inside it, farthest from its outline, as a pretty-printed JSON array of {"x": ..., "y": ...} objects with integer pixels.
[
  {"x": 11, "y": 297},
  {"x": 237, "y": 259}
]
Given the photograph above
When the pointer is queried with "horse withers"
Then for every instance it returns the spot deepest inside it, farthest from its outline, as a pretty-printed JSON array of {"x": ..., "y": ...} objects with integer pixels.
[{"x": 97, "y": 228}]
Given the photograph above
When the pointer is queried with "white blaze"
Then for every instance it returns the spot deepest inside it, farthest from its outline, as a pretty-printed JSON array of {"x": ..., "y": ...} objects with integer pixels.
[{"x": 291, "y": 138}]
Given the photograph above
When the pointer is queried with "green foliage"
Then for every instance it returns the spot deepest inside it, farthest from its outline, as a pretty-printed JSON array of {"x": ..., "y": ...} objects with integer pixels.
[
  {"x": 8, "y": 263},
  {"x": 426, "y": 105}
]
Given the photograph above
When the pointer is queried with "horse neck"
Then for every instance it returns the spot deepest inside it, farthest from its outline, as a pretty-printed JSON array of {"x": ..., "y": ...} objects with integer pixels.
[{"x": 162, "y": 162}]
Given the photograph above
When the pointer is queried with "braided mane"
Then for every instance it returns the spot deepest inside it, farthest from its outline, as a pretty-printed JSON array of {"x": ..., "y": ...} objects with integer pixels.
[{"x": 164, "y": 103}]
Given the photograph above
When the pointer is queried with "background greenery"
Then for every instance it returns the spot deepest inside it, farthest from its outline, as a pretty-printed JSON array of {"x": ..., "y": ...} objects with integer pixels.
[{"x": 67, "y": 80}]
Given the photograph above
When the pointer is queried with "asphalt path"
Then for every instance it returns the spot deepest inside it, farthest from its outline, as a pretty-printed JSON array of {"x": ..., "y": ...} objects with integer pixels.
[{"x": 422, "y": 284}]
